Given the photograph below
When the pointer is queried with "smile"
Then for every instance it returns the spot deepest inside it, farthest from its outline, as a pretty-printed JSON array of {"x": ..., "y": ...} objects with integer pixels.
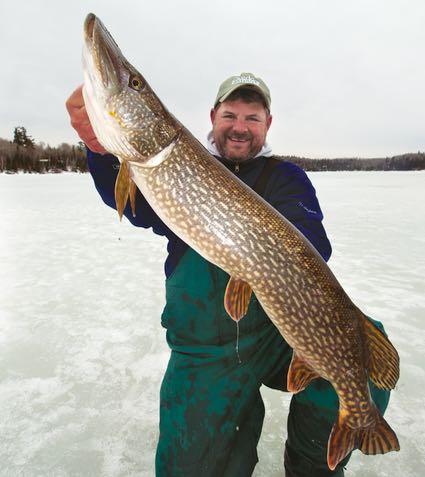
[{"x": 237, "y": 139}]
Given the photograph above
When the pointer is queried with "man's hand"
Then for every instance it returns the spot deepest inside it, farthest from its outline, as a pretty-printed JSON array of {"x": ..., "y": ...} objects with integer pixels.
[{"x": 81, "y": 122}]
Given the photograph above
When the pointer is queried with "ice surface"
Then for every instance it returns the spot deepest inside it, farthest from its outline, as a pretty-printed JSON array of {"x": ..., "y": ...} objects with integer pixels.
[{"x": 83, "y": 352}]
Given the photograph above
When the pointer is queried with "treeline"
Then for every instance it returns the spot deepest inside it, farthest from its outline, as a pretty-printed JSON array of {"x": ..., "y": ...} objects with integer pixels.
[
  {"x": 404, "y": 162},
  {"x": 23, "y": 155},
  {"x": 41, "y": 158}
]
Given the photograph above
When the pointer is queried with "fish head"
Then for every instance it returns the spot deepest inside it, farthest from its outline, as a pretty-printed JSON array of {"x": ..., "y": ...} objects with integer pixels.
[{"x": 126, "y": 115}]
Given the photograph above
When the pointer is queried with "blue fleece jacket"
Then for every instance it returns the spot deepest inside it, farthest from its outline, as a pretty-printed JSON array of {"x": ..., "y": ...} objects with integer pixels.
[{"x": 289, "y": 190}]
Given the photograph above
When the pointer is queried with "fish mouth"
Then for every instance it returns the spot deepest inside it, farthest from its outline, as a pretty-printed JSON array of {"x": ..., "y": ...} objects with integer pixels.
[{"x": 101, "y": 53}]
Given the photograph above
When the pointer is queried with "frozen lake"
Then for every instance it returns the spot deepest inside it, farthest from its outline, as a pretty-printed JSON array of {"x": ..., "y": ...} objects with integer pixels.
[{"x": 83, "y": 352}]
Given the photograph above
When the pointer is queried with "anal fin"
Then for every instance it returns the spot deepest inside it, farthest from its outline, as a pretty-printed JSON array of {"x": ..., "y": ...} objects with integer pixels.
[
  {"x": 300, "y": 374},
  {"x": 237, "y": 298}
]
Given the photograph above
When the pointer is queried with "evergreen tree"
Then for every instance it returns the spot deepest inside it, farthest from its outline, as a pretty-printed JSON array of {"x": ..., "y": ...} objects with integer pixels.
[{"x": 21, "y": 138}]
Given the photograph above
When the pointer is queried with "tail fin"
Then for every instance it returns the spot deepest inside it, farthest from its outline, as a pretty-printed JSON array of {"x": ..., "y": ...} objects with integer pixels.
[
  {"x": 376, "y": 439},
  {"x": 379, "y": 439},
  {"x": 341, "y": 442}
]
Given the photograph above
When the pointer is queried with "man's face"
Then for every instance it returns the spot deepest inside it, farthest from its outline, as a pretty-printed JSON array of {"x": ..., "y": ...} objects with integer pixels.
[{"x": 240, "y": 129}]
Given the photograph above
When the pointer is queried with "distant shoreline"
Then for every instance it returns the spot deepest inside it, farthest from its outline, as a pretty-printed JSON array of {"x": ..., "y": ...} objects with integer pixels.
[
  {"x": 25, "y": 173},
  {"x": 41, "y": 159},
  {"x": 403, "y": 162}
]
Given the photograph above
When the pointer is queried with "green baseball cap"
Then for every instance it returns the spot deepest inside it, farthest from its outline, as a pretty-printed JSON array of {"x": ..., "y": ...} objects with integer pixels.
[{"x": 244, "y": 80}]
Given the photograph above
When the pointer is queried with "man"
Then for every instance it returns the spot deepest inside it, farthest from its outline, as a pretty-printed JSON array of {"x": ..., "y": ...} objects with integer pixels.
[{"x": 211, "y": 411}]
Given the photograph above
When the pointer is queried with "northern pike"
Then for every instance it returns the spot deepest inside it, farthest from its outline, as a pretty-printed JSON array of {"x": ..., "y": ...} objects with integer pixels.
[{"x": 231, "y": 226}]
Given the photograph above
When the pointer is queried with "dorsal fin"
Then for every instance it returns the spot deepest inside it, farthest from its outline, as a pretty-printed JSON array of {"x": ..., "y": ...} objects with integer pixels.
[{"x": 384, "y": 362}]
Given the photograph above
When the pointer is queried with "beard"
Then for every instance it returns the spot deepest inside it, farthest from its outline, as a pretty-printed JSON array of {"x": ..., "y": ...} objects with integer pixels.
[{"x": 237, "y": 147}]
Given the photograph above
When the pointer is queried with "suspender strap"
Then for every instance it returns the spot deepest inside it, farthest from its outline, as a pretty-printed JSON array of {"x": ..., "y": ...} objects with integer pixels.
[{"x": 260, "y": 184}]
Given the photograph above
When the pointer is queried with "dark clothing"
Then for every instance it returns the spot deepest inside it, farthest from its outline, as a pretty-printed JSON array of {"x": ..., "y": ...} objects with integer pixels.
[{"x": 211, "y": 410}]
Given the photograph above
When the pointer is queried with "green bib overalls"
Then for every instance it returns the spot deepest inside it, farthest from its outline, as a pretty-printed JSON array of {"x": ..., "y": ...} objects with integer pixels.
[{"x": 211, "y": 410}]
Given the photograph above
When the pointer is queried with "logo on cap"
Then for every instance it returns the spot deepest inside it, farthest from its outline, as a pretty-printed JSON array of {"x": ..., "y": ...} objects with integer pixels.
[{"x": 245, "y": 80}]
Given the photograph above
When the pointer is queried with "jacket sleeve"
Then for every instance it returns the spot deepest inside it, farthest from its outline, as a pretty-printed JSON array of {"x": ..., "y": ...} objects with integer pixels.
[
  {"x": 104, "y": 170},
  {"x": 293, "y": 195}
]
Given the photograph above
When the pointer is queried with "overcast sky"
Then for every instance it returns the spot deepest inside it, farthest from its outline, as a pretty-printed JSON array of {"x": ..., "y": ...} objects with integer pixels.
[{"x": 347, "y": 77}]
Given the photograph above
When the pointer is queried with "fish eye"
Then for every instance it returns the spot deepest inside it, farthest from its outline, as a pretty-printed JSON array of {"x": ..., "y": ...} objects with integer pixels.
[{"x": 136, "y": 83}]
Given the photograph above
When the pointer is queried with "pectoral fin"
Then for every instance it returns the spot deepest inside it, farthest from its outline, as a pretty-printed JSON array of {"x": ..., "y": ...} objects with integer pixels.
[
  {"x": 133, "y": 190},
  {"x": 122, "y": 188},
  {"x": 384, "y": 362},
  {"x": 300, "y": 374},
  {"x": 237, "y": 298}
]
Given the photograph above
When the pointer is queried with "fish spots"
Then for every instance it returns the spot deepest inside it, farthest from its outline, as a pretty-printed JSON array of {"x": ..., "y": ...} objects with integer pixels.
[
  {"x": 296, "y": 301},
  {"x": 326, "y": 319},
  {"x": 297, "y": 294},
  {"x": 347, "y": 364}
]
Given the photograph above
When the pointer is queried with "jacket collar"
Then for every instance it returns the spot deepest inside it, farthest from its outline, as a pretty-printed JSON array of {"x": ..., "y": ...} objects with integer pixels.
[{"x": 242, "y": 167}]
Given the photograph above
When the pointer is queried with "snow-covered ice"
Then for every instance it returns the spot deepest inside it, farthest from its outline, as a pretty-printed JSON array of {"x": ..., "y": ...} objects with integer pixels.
[{"x": 83, "y": 352}]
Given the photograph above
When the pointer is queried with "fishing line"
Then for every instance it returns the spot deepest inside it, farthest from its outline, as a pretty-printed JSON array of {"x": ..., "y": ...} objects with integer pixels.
[{"x": 237, "y": 342}]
